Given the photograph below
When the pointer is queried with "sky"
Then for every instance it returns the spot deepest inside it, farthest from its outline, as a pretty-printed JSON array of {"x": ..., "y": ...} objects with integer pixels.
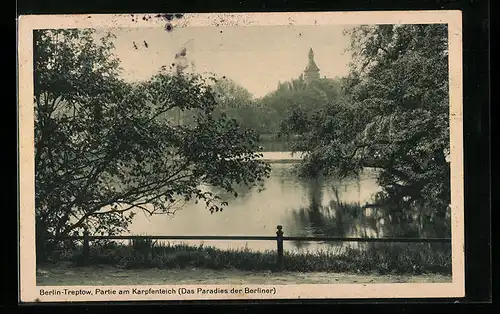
[{"x": 256, "y": 57}]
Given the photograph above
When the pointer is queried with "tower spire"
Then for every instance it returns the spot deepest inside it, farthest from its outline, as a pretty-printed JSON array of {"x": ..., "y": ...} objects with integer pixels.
[{"x": 311, "y": 71}]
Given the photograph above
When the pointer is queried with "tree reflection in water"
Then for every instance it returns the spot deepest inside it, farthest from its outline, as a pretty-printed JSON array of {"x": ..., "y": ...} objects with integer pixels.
[{"x": 327, "y": 215}]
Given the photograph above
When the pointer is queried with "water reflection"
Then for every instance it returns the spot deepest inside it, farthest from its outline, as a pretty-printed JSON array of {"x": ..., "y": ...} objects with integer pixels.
[
  {"x": 327, "y": 215},
  {"x": 305, "y": 207}
]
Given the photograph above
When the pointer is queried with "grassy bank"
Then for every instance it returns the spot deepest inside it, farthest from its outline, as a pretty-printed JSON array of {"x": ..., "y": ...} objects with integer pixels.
[{"x": 373, "y": 259}]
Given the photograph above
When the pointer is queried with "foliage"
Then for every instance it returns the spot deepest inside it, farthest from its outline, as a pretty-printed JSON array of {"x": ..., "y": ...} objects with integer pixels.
[
  {"x": 105, "y": 148},
  {"x": 236, "y": 102},
  {"x": 382, "y": 258},
  {"x": 296, "y": 96},
  {"x": 394, "y": 118},
  {"x": 265, "y": 115},
  {"x": 229, "y": 94}
]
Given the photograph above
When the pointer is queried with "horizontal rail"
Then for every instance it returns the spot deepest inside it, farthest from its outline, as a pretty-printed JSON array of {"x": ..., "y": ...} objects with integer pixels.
[
  {"x": 265, "y": 238},
  {"x": 257, "y": 238},
  {"x": 341, "y": 239}
]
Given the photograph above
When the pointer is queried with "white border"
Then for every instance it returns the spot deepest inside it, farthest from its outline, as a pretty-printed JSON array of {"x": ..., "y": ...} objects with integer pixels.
[{"x": 29, "y": 292}]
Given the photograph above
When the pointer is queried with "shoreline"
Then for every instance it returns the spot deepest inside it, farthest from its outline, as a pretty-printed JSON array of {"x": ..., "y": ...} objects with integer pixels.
[{"x": 143, "y": 254}]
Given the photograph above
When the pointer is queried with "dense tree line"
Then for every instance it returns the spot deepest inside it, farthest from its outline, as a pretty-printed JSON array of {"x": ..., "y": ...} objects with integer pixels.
[{"x": 266, "y": 115}]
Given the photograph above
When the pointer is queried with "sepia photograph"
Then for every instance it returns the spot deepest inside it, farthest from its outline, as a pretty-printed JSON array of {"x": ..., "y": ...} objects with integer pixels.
[{"x": 240, "y": 156}]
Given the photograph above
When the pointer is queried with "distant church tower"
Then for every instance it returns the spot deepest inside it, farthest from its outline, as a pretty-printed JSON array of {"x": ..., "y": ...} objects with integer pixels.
[{"x": 311, "y": 71}]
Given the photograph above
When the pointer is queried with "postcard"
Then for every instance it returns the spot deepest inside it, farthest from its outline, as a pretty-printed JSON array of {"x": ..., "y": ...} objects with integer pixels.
[{"x": 240, "y": 156}]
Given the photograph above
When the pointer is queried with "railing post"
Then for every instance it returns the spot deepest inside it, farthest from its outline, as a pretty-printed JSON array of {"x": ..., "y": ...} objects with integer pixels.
[
  {"x": 86, "y": 246},
  {"x": 279, "y": 240}
]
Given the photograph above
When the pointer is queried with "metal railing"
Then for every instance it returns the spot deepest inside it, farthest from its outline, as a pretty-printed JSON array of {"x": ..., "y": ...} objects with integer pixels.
[{"x": 279, "y": 238}]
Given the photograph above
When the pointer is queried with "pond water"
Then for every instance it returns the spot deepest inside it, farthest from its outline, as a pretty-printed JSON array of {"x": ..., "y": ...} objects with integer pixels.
[{"x": 314, "y": 207}]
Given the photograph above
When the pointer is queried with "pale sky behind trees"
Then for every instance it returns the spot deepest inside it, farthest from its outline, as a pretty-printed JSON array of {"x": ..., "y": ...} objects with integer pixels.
[{"x": 256, "y": 57}]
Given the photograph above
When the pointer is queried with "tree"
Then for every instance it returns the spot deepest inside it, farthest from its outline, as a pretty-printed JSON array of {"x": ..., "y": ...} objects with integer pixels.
[
  {"x": 296, "y": 96},
  {"x": 237, "y": 103},
  {"x": 229, "y": 94},
  {"x": 395, "y": 117},
  {"x": 105, "y": 149}
]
